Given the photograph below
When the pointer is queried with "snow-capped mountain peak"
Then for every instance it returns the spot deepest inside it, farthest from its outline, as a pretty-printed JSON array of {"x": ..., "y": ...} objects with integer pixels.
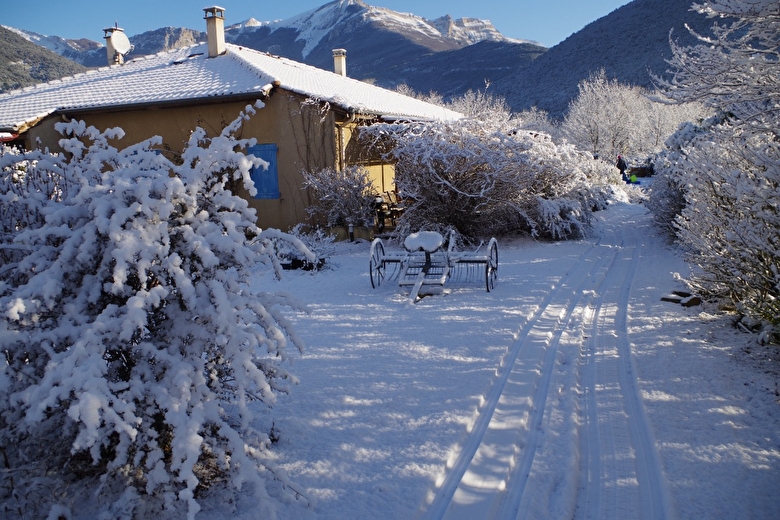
[
  {"x": 253, "y": 22},
  {"x": 57, "y": 44},
  {"x": 470, "y": 30},
  {"x": 314, "y": 25},
  {"x": 250, "y": 24},
  {"x": 385, "y": 47}
]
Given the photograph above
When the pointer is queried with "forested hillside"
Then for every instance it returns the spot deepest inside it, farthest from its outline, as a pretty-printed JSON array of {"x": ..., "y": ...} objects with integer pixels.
[
  {"x": 630, "y": 43},
  {"x": 23, "y": 63}
]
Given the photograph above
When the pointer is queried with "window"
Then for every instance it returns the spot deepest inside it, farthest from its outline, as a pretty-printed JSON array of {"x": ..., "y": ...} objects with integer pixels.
[{"x": 266, "y": 180}]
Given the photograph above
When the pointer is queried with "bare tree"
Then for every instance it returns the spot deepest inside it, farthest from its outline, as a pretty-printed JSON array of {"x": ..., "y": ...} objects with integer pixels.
[
  {"x": 599, "y": 118},
  {"x": 737, "y": 69},
  {"x": 611, "y": 119}
]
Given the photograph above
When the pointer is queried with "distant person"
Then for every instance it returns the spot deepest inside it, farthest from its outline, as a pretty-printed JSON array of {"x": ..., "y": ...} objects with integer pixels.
[{"x": 621, "y": 165}]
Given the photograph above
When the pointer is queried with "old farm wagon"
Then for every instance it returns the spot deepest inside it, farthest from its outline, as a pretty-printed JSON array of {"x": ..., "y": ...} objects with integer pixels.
[{"x": 427, "y": 260}]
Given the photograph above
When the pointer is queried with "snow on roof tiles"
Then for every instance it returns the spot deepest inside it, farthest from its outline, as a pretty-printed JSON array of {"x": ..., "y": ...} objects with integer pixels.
[{"x": 188, "y": 74}]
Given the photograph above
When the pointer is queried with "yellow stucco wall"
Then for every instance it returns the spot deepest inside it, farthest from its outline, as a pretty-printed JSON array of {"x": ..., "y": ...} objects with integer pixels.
[
  {"x": 382, "y": 176},
  {"x": 381, "y": 173},
  {"x": 305, "y": 136}
]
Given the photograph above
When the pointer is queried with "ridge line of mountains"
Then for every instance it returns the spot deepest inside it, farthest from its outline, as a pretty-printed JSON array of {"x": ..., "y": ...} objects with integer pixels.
[{"x": 447, "y": 56}]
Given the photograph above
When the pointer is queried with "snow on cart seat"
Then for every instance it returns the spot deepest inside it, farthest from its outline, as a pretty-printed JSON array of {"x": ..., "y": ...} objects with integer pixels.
[{"x": 429, "y": 241}]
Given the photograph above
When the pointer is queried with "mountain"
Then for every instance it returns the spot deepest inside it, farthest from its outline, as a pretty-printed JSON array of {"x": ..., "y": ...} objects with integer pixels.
[
  {"x": 385, "y": 47},
  {"x": 305, "y": 36},
  {"x": 164, "y": 39},
  {"x": 24, "y": 63},
  {"x": 59, "y": 45},
  {"x": 452, "y": 73},
  {"x": 629, "y": 43},
  {"x": 90, "y": 53},
  {"x": 338, "y": 19},
  {"x": 390, "y": 48},
  {"x": 446, "y": 55}
]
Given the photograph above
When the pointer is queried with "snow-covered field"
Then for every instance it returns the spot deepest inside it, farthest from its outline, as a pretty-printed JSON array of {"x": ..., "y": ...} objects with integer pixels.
[{"x": 570, "y": 391}]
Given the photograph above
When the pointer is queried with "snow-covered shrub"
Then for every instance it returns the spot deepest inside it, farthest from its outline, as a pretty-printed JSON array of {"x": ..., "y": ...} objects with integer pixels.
[
  {"x": 667, "y": 198},
  {"x": 730, "y": 223},
  {"x": 134, "y": 343},
  {"x": 735, "y": 71},
  {"x": 603, "y": 178},
  {"x": 316, "y": 240},
  {"x": 493, "y": 111},
  {"x": 589, "y": 183},
  {"x": 29, "y": 182},
  {"x": 342, "y": 197},
  {"x": 481, "y": 178},
  {"x": 537, "y": 120},
  {"x": 729, "y": 172},
  {"x": 672, "y": 169}
]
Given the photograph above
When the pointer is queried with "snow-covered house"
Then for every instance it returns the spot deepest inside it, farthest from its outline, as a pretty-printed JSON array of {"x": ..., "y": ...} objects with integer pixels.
[{"x": 308, "y": 120}]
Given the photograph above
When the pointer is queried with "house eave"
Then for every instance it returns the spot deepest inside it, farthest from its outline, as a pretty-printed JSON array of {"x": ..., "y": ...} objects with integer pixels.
[
  {"x": 74, "y": 112},
  {"x": 155, "y": 105}
]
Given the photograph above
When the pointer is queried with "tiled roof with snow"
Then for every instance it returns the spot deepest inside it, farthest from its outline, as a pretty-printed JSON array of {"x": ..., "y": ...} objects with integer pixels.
[{"x": 189, "y": 74}]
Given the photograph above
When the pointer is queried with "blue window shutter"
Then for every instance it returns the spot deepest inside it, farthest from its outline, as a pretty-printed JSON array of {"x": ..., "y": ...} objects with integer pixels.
[{"x": 266, "y": 181}]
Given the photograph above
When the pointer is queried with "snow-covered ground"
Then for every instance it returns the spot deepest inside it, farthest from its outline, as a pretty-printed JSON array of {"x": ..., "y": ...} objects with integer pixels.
[{"x": 570, "y": 391}]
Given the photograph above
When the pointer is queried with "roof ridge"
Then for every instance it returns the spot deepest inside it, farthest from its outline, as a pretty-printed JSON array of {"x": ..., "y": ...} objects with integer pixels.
[
  {"x": 187, "y": 73},
  {"x": 97, "y": 70},
  {"x": 301, "y": 66}
]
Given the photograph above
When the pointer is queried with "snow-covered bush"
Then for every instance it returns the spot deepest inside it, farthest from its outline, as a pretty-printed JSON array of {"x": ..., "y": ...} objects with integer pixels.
[
  {"x": 672, "y": 173},
  {"x": 731, "y": 223},
  {"x": 29, "y": 182},
  {"x": 482, "y": 178},
  {"x": 538, "y": 120},
  {"x": 729, "y": 171},
  {"x": 318, "y": 241},
  {"x": 342, "y": 197},
  {"x": 494, "y": 112},
  {"x": 736, "y": 70},
  {"x": 134, "y": 343},
  {"x": 589, "y": 185}
]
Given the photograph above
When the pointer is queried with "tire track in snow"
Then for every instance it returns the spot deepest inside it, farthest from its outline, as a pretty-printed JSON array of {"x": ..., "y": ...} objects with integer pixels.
[
  {"x": 501, "y": 468},
  {"x": 620, "y": 469},
  {"x": 507, "y": 427},
  {"x": 508, "y": 506}
]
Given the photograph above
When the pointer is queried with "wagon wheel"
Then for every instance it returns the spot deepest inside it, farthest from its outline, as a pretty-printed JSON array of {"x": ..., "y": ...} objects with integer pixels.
[
  {"x": 376, "y": 264},
  {"x": 491, "y": 265}
]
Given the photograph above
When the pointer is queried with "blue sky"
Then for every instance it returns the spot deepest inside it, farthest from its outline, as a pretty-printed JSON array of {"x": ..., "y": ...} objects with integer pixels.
[{"x": 545, "y": 21}]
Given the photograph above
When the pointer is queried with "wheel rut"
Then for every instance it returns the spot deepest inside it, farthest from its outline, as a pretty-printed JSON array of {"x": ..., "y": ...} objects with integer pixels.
[
  {"x": 621, "y": 474},
  {"x": 499, "y": 470}
]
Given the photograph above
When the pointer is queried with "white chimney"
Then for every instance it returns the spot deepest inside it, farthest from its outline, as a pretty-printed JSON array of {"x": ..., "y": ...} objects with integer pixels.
[
  {"x": 340, "y": 61},
  {"x": 215, "y": 29},
  {"x": 117, "y": 45}
]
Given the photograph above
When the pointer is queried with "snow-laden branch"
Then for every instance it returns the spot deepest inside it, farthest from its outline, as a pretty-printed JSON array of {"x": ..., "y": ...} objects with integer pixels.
[
  {"x": 483, "y": 177},
  {"x": 736, "y": 70},
  {"x": 718, "y": 184},
  {"x": 137, "y": 347}
]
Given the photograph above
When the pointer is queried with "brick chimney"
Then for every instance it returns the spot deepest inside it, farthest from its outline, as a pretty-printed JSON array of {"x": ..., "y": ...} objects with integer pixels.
[
  {"x": 215, "y": 29},
  {"x": 340, "y": 61}
]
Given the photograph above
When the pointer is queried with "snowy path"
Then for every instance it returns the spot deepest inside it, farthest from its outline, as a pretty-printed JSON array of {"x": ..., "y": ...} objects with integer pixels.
[
  {"x": 621, "y": 471},
  {"x": 502, "y": 465},
  {"x": 571, "y": 391}
]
